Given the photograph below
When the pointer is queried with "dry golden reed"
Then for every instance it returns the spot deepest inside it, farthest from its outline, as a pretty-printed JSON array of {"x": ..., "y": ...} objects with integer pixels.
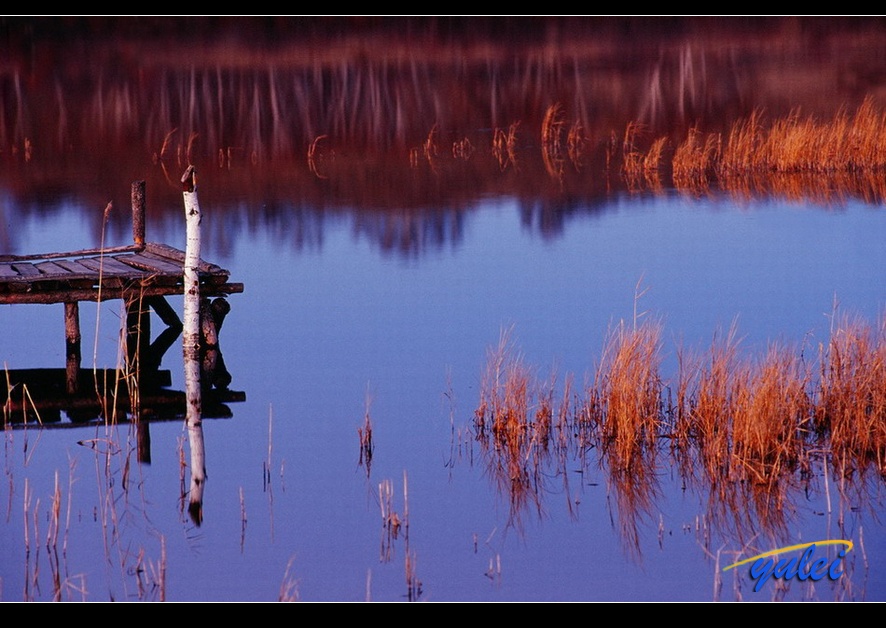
[
  {"x": 771, "y": 415},
  {"x": 754, "y": 156},
  {"x": 694, "y": 159},
  {"x": 633, "y": 158},
  {"x": 629, "y": 390},
  {"x": 514, "y": 425},
  {"x": 743, "y": 418},
  {"x": 851, "y": 408}
]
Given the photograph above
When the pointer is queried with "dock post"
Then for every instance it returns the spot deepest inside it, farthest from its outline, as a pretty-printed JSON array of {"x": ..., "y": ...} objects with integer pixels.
[
  {"x": 72, "y": 347},
  {"x": 138, "y": 213}
]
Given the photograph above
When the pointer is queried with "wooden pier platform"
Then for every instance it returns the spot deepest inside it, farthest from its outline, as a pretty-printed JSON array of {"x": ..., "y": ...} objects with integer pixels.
[
  {"x": 142, "y": 275},
  {"x": 130, "y": 272}
]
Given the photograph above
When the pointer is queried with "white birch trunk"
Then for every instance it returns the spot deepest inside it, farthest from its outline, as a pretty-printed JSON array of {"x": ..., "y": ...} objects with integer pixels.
[{"x": 191, "y": 341}]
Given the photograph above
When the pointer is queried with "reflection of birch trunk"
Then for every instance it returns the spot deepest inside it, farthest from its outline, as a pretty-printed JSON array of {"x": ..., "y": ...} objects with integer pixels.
[{"x": 191, "y": 343}]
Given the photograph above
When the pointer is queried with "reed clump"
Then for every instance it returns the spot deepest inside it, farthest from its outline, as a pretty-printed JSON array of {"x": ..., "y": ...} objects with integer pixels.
[
  {"x": 694, "y": 160},
  {"x": 628, "y": 395},
  {"x": 756, "y": 155},
  {"x": 746, "y": 422},
  {"x": 632, "y": 156},
  {"x": 514, "y": 423},
  {"x": 851, "y": 408},
  {"x": 741, "y": 150},
  {"x": 707, "y": 395},
  {"x": 771, "y": 415}
]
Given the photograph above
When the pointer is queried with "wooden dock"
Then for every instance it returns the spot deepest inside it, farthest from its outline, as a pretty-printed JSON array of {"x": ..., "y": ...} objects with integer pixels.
[
  {"x": 142, "y": 275},
  {"x": 129, "y": 272}
]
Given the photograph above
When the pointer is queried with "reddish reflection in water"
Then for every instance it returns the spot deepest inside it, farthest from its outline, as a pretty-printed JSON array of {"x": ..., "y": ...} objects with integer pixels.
[{"x": 407, "y": 115}]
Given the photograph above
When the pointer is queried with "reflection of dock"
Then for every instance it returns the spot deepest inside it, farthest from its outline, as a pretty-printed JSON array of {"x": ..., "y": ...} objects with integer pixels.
[
  {"x": 142, "y": 275},
  {"x": 41, "y": 395}
]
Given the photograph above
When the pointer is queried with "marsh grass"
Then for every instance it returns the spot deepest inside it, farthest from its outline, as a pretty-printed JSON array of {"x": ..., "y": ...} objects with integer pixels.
[
  {"x": 794, "y": 156},
  {"x": 746, "y": 424},
  {"x": 851, "y": 409},
  {"x": 628, "y": 391},
  {"x": 513, "y": 426},
  {"x": 289, "y": 585},
  {"x": 694, "y": 160},
  {"x": 633, "y": 159}
]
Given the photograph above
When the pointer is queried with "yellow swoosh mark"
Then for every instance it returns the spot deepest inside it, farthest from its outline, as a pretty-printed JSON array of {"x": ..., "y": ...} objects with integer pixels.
[{"x": 849, "y": 545}]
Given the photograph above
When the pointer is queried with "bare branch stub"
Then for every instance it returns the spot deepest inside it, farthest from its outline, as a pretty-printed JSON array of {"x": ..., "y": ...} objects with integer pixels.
[{"x": 189, "y": 180}]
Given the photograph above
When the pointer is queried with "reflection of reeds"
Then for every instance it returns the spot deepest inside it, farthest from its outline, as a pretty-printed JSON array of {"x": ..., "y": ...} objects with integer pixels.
[
  {"x": 462, "y": 149},
  {"x": 552, "y": 140},
  {"x": 576, "y": 142},
  {"x": 390, "y": 520},
  {"x": 364, "y": 433},
  {"x": 314, "y": 158},
  {"x": 504, "y": 146}
]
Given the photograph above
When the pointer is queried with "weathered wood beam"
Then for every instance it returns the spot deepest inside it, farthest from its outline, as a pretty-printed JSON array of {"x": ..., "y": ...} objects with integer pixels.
[
  {"x": 108, "y": 293},
  {"x": 72, "y": 346},
  {"x": 138, "y": 214}
]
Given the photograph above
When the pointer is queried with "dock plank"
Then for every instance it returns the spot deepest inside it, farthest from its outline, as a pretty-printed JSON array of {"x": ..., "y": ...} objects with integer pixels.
[
  {"x": 166, "y": 252},
  {"x": 26, "y": 269},
  {"x": 7, "y": 271},
  {"x": 77, "y": 270},
  {"x": 150, "y": 263},
  {"x": 108, "y": 266},
  {"x": 52, "y": 270}
]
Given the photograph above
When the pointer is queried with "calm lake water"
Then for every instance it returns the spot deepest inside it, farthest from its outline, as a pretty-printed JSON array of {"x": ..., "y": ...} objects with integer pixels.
[{"x": 357, "y": 304}]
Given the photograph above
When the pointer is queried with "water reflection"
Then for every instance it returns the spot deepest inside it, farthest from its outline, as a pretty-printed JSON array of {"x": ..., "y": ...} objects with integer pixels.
[{"x": 395, "y": 133}]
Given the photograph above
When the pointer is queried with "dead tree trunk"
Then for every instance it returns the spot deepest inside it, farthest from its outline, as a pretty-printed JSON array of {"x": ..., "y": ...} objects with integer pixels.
[{"x": 191, "y": 344}]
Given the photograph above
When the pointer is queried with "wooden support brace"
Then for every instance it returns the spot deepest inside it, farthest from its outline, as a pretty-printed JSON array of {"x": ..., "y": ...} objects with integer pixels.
[
  {"x": 72, "y": 346},
  {"x": 165, "y": 311}
]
